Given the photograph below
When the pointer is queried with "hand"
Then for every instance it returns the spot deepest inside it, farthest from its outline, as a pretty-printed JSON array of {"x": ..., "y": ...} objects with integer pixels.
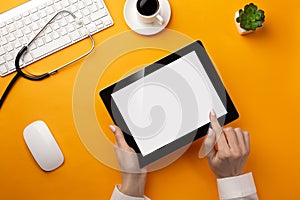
[
  {"x": 233, "y": 147},
  {"x": 133, "y": 178}
]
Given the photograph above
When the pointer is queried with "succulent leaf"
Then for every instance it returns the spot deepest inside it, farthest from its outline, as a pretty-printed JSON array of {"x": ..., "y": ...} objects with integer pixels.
[{"x": 250, "y": 18}]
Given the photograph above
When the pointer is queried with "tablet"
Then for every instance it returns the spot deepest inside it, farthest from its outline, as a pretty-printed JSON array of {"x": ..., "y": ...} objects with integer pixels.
[{"x": 166, "y": 105}]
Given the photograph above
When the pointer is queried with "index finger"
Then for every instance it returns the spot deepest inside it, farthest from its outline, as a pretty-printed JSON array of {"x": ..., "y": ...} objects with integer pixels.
[
  {"x": 220, "y": 138},
  {"x": 215, "y": 123}
]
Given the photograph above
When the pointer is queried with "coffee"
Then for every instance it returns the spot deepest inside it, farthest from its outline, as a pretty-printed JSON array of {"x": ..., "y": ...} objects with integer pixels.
[{"x": 147, "y": 7}]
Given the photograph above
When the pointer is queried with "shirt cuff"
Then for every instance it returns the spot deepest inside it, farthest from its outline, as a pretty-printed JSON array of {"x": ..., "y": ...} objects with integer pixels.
[
  {"x": 117, "y": 195},
  {"x": 236, "y": 187}
]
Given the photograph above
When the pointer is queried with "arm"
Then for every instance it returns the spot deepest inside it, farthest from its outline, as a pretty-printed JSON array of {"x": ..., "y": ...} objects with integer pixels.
[
  {"x": 227, "y": 161},
  {"x": 133, "y": 178}
]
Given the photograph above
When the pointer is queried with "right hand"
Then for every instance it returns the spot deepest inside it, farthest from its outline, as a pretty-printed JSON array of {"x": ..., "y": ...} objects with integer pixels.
[{"x": 233, "y": 147}]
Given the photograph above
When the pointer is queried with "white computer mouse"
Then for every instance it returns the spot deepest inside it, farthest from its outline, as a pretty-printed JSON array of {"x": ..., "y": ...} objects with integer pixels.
[{"x": 43, "y": 146}]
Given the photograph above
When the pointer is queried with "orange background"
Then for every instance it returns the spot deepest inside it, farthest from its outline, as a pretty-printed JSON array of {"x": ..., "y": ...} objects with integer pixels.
[{"x": 261, "y": 72}]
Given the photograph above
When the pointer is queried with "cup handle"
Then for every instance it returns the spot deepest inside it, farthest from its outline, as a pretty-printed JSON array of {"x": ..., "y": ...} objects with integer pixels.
[{"x": 160, "y": 19}]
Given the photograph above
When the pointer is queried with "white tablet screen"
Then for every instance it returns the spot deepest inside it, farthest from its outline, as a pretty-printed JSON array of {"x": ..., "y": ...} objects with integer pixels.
[{"x": 168, "y": 103}]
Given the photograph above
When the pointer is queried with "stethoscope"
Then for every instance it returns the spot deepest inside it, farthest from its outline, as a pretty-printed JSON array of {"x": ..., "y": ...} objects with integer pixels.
[{"x": 24, "y": 50}]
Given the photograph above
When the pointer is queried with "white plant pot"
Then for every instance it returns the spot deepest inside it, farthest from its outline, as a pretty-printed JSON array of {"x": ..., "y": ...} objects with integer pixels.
[{"x": 241, "y": 30}]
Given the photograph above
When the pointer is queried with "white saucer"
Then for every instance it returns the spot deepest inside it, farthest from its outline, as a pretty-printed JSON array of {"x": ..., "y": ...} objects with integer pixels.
[{"x": 138, "y": 26}]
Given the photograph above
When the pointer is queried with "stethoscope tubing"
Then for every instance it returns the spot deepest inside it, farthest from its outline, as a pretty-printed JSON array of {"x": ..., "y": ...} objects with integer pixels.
[{"x": 32, "y": 77}]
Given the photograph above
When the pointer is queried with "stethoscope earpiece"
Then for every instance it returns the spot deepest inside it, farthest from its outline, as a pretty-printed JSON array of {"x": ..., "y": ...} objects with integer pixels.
[{"x": 78, "y": 21}]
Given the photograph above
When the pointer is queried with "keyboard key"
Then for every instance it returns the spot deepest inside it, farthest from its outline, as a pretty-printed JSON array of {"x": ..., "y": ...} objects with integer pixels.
[
  {"x": 83, "y": 31},
  {"x": 2, "y": 51},
  {"x": 95, "y": 16},
  {"x": 27, "y": 58},
  {"x": 80, "y": 5},
  {"x": 11, "y": 37},
  {"x": 42, "y": 6},
  {"x": 42, "y": 14},
  {"x": 50, "y": 10},
  {"x": 98, "y": 22},
  {"x": 34, "y": 10},
  {"x": 4, "y": 31},
  {"x": 86, "y": 20},
  {"x": 3, "y": 69},
  {"x": 100, "y": 26},
  {"x": 58, "y": 17},
  {"x": 60, "y": 42},
  {"x": 75, "y": 35},
  {"x": 93, "y": 8},
  {"x": 35, "y": 27},
  {"x": 70, "y": 19},
  {"x": 63, "y": 22},
  {"x": 108, "y": 22},
  {"x": 42, "y": 22},
  {"x": 32, "y": 46},
  {"x": 70, "y": 28},
  {"x": 58, "y": 7},
  {"x": 17, "y": 44},
  {"x": 9, "y": 47},
  {"x": 48, "y": 39},
  {"x": 63, "y": 31},
  {"x": 3, "y": 41},
  {"x": 103, "y": 12},
  {"x": 23, "y": 41},
  {"x": 65, "y": 3},
  {"x": 39, "y": 42},
  {"x": 27, "y": 21},
  {"x": 11, "y": 65},
  {"x": 2, "y": 24},
  {"x": 11, "y": 28},
  {"x": 85, "y": 12},
  {"x": 49, "y": 3},
  {"x": 19, "y": 24},
  {"x": 72, "y": 8},
  {"x": 48, "y": 30},
  {"x": 19, "y": 33},
  {"x": 78, "y": 14},
  {"x": 100, "y": 5},
  {"x": 88, "y": 2},
  {"x": 2, "y": 61},
  {"x": 18, "y": 17},
  {"x": 25, "y": 14},
  {"x": 55, "y": 26},
  {"x": 9, "y": 21},
  {"x": 91, "y": 27},
  {"x": 26, "y": 30},
  {"x": 55, "y": 35},
  {"x": 34, "y": 17},
  {"x": 8, "y": 57}
]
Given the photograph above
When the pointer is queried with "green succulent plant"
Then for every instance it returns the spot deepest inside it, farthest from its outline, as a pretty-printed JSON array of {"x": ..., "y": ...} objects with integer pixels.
[{"x": 250, "y": 18}]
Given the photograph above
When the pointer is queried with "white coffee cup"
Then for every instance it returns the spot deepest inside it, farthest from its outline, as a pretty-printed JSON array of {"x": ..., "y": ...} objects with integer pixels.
[{"x": 151, "y": 18}]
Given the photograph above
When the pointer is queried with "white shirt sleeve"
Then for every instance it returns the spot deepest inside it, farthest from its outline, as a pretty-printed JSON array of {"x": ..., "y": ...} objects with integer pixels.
[
  {"x": 237, "y": 188},
  {"x": 117, "y": 195}
]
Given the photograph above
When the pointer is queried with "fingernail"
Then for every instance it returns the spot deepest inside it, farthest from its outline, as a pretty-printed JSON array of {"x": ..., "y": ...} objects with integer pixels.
[
  {"x": 112, "y": 128},
  {"x": 213, "y": 113}
]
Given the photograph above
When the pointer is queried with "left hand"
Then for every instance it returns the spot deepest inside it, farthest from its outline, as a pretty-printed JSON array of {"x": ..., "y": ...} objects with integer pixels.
[{"x": 133, "y": 178}]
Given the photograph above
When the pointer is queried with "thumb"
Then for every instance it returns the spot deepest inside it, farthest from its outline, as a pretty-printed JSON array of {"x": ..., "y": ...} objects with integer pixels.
[{"x": 120, "y": 140}]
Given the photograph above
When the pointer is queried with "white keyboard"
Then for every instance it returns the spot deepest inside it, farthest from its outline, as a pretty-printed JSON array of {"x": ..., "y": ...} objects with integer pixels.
[{"x": 19, "y": 25}]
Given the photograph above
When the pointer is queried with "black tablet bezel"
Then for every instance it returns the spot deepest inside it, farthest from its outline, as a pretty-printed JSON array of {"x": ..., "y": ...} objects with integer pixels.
[{"x": 111, "y": 106}]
